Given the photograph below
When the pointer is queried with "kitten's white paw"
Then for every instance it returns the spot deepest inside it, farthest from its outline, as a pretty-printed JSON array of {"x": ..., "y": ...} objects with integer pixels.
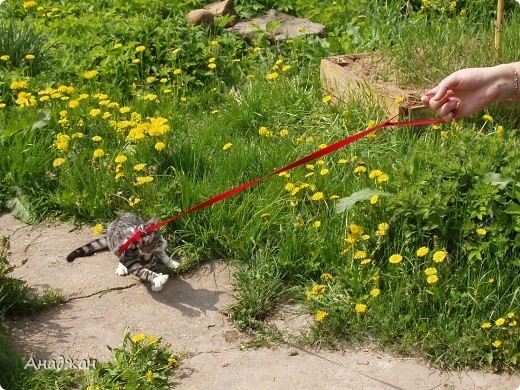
[
  {"x": 121, "y": 270},
  {"x": 172, "y": 264},
  {"x": 158, "y": 282}
]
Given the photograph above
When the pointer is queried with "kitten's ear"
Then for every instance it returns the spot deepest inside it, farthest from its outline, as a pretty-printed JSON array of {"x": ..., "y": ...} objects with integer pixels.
[{"x": 152, "y": 221}]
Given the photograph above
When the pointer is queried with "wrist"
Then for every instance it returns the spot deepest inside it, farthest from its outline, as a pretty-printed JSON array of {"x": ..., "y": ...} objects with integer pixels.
[{"x": 507, "y": 82}]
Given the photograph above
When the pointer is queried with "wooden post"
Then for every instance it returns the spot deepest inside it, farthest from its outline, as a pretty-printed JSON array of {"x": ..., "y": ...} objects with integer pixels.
[{"x": 498, "y": 31}]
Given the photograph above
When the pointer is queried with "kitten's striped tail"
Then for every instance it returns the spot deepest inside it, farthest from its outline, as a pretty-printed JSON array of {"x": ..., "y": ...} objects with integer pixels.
[{"x": 99, "y": 245}]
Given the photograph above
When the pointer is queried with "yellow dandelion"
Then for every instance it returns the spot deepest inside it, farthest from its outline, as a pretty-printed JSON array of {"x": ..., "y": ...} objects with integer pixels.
[
  {"x": 486, "y": 325},
  {"x": 422, "y": 251},
  {"x": 57, "y": 162},
  {"x": 317, "y": 224},
  {"x": 488, "y": 118},
  {"x": 160, "y": 146},
  {"x": 359, "y": 170},
  {"x": 432, "y": 279},
  {"x": 382, "y": 229},
  {"x": 360, "y": 255},
  {"x": 96, "y": 138},
  {"x": 500, "y": 321},
  {"x": 375, "y": 292},
  {"x": 138, "y": 337},
  {"x": 395, "y": 258},
  {"x": 326, "y": 98},
  {"x": 18, "y": 85},
  {"x": 430, "y": 271},
  {"x": 98, "y": 228},
  {"x": 360, "y": 308},
  {"x": 481, "y": 232},
  {"x": 262, "y": 131},
  {"x": 290, "y": 186},
  {"x": 320, "y": 316},
  {"x": 140, "y": 49},
  {"x": 439, "y": 256},
  {"x": 90, "y": 74},
  {"x": 382, "y": 178},
  {"x": 327, "y": 276},
  {"x": 227, "y": 146},
  {"x": 149, "y": 376},
  {"x": 139, "y": 167},
  {"x": 375, "y": 173},
  {"x": 143, "y": 180},
  {"x": 318, "y": 290},
  {"x": 355, "y": 230},
  {"x": 134, "y": 201},
  {"x": 62, "y": 146},
  {"x": 374, "y": 199},
  {"x": 324, "y": 172},
  {"x": 99, "y": 152},
  {"x": 272, "y": 76},
  {"x": 317, "y": 196},
  {"x": 496, "y": 343},
  {"x": 120, "y": 159}
]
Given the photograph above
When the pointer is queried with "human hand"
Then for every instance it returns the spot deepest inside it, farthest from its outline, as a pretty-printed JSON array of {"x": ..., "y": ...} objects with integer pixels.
[{"x": 469, "y": 90}]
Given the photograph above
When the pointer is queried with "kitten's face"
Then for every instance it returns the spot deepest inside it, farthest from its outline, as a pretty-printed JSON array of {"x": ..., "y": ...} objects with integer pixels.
[{"x": 153, "y": 242}]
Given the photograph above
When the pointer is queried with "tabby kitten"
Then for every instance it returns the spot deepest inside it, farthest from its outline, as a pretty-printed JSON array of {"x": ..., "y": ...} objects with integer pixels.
[{"x": 149, "y": 250}]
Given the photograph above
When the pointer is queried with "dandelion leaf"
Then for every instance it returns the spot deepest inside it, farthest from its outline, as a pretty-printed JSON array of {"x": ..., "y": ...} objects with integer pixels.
[
  {"x": 513, "y": 208},
  {"x": 358, "y": 196},
  {"x": 19, "y": 206},
  {"x": 495, "y": 179},
  {"x": 43, "y": 119}
]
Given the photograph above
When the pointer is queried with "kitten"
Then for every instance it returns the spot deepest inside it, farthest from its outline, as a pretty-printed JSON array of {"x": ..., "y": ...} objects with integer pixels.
[{"x": 149, "y": 250}]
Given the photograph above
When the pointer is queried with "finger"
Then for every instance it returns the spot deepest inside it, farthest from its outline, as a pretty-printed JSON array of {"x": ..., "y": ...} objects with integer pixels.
[
  {"x": 448, "y": 107},
  {"x": 425, "y": 99},
  {"x": 448, "y": 117}
]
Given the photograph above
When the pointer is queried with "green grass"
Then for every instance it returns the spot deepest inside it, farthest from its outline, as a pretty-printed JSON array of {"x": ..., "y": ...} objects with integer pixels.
[{"x": 140, "y": 83}]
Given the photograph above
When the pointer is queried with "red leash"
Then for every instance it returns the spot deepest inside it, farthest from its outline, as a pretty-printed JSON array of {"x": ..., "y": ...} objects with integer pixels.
[{"x": 138, "y": 234}]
